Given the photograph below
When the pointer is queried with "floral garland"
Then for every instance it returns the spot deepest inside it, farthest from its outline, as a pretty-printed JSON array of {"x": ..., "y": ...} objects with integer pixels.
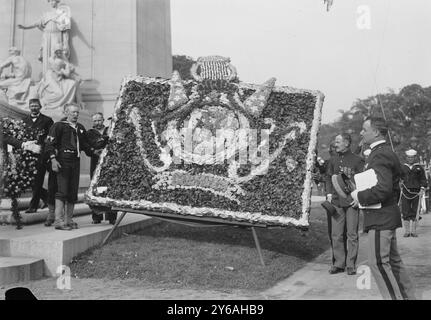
[{"x": 20, "y": 168}]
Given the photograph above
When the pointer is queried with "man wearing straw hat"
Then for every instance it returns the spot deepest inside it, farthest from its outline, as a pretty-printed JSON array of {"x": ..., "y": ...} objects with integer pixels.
[{"x": 414, "y": 183}]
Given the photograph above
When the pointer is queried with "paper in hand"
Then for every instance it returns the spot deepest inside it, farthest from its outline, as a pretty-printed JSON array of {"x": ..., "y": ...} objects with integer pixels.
[{"x": 366, "y": 180}]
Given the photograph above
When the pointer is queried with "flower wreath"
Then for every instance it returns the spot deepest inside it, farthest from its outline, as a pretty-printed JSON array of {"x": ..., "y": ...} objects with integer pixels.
[{"x": 20, "y": 165}]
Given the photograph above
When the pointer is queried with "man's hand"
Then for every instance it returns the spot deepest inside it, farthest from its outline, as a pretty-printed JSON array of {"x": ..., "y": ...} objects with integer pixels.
[
  {"x": 355, "y": 202},
  {"x": 55, "y": 165},
  {"x": 32, "y": 146},
  {"x": 329, "y": 197}
]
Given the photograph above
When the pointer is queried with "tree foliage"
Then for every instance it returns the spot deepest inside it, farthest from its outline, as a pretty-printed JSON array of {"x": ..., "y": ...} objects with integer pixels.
[
  {"x": 408, "y": 114},
  {"x": 183, "y": 64}
]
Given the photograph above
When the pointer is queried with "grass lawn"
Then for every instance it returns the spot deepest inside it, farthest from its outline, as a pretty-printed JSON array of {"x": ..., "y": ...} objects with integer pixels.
[{"x": 171, "y": 255}]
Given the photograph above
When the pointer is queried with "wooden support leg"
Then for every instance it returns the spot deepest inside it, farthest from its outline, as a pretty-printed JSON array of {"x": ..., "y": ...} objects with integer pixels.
[
  {"x": 113, "y": 228},
  {"x": 256, "y": 240}
]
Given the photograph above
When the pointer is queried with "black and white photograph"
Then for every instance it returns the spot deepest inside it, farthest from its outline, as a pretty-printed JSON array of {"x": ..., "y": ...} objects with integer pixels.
[{"x": 215, "y": 155}]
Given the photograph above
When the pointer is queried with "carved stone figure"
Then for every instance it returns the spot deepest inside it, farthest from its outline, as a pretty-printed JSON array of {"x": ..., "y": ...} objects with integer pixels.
[
  {"x": 15, "y": 84},
  {"x": 55, "y": 25},
  {"x": 59, "y": 86}
]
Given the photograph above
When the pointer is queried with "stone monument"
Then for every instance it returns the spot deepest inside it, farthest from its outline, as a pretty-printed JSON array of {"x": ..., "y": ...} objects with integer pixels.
[
  {"x": 55, "y": 25},
  {"x": 100, "y": 42},
  {"x": 104, "y": 40}
]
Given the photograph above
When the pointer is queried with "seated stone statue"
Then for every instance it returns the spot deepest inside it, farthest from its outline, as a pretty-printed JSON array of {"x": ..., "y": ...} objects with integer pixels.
[
  {"x": 15, "y": 84},
  {"x": 59, "y": 85}
]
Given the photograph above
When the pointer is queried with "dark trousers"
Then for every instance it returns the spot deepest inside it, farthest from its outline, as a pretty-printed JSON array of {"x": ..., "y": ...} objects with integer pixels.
[
  {"x": 344, "y": 237},
  {"x": 68, "y": 180},
  {"x": 52, "y": 185},
  {"x": 387, "y": 267},
  {"x": 111, "y": 216},
  {"x": 409, "y": 206},
  {"x": 38, "y": 191}
]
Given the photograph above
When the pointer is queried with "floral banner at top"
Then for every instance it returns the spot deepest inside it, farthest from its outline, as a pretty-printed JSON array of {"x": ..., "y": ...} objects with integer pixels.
[{"x": 211, "y": 147}]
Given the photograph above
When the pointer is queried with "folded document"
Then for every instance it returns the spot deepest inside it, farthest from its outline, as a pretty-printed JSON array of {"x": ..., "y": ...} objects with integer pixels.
[{"x": 366, "y": 180}]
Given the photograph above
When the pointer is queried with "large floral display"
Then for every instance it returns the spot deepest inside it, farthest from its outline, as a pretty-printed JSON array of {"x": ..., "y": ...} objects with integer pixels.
[{"x": 212, "y": 147}]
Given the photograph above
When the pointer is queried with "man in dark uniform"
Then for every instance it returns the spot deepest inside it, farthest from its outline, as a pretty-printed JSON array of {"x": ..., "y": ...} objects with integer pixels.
[
  {"x": 65, "y": 142},
  {"x": 414, "y": 183},
  {"x": 52, "y": 190},
  {"x": 38, "y": 121},
  {"x": 98, "y": 139},
  {"x": 345, "y": 223},
  {"x": 381, "y": 224}
]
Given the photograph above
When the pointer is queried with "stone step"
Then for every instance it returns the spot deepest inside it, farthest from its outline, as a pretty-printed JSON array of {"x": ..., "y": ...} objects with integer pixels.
[
  {"x": 19, "y": 269},
  {"x": 58, "y": 247},
  {"x": 24, "y": 202},
  {"x": 81, "y": 209}
]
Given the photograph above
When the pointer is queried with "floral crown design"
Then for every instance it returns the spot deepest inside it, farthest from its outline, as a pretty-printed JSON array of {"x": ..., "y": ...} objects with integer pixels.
[{"x": 215, "y": 73}]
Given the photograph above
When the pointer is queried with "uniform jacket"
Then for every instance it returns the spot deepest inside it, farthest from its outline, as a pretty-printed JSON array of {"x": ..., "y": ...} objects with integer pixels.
[
  {"x": 413, "y": 176},
  {"x": 42, "y": 123},
  {"x": 346, "y": 162},
  {"x": 97, "y": 141},
  {"x": 62, "y": 141},
  {"x": 388, "y": 170}
]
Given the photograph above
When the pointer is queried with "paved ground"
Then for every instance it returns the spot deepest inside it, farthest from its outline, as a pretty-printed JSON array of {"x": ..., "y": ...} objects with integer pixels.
[
  {"x": 314, "y": 282},
  {"x": 310, "y": 282}
]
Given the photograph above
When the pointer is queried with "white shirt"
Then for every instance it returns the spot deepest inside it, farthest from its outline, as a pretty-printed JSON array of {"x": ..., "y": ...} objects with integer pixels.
[
  {"x": 34, "y": 118},
  {"x": 75, "y": 126}
]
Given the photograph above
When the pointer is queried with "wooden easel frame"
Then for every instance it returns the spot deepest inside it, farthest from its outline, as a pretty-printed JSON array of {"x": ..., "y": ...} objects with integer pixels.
[{"x": 198, "y": 220}]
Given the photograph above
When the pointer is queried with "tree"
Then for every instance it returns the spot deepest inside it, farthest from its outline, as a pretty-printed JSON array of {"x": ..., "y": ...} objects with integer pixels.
[
  {"x": 183, "y": 64},
  {"x": 408, "y": 114}
]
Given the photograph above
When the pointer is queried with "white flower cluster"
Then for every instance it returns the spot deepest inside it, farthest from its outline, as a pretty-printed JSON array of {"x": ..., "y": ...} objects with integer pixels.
[{"x": 217, "y": 185}]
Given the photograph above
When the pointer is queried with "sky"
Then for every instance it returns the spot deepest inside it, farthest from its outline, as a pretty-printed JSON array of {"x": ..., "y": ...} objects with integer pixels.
[{"x": 356, "y": 50}]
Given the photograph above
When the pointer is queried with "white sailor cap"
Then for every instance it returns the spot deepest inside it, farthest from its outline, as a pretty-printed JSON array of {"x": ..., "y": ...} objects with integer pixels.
[
  {"x": 411, "y": 153},
  {"x": 367, "y": 152}
]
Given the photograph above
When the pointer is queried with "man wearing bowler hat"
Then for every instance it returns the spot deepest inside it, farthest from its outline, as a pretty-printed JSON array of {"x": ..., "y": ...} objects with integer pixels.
[
  {"x": 381, "y": 223},
  {"x": 345, "y": 221},
  {"x": 38, "y": 121}
]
